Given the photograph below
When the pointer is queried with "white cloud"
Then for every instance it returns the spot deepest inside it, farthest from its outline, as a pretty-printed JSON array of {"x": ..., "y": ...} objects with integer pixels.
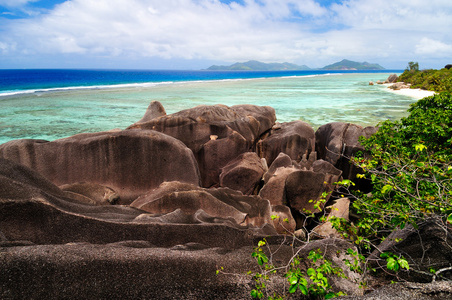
[
  {"x": 15, "y": 3},
  {"x": 430, "y": 46},
  {"x": 268, "y": 30}
]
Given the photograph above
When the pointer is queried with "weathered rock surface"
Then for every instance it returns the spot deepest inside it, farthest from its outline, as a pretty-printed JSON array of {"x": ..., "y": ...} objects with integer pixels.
[
  {"x": 243, "y": 173},
  {"x": 274, "y": 188},
  {"x": 392, "y": 78},
  {"x": 235, "y": 130},
  {"x": 337, "y": 142},
  {"x": 282, "y": 160},
  {"x": 130, "y": 162},
  {"x": 295, "y": 139},
  {"x": 399, "y": 85},
  {"x": 339, "y": 209},
  {"x": 221, "y": 204},
  {"x": 135, "y": 270},
  {"x": 33, "y": 209},
  {"x": 439, "y": 290},
  {"x": 430, "y": 245},
  {"x": 304, "y": 188},
  {"x": 299, "y": 185},
  {"x": 98, "y": 194},
  {"x": 284, "y": 223},
  {"x": 154, "y": 110}
]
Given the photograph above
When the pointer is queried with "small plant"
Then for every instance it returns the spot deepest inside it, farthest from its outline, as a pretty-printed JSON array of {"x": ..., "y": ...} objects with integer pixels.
[
  {"x": 355, "y": 264},
  {"x": 394, "y": 262},
  {"x": 313, "y": 282}
]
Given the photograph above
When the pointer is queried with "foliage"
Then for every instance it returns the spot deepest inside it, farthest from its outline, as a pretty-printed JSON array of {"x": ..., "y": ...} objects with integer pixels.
[
  {"x": 432, "y": 80},
  {"x": 409, "y": 163},
  {"x": 410, "y": 169},
  {"x": 313, "y": 282},
  {"x": 394, "y": 262},
  {"x": 413, "y": 66}
]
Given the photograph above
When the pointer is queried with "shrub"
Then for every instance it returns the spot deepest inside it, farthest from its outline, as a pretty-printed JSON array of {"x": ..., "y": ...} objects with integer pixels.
[
  {"x": 433, "y": 80},
  {"x": 410, "y": 169}
]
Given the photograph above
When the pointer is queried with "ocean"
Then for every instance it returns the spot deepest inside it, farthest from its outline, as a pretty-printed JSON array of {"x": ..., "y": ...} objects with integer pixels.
[{"x": 52, "y": 104}]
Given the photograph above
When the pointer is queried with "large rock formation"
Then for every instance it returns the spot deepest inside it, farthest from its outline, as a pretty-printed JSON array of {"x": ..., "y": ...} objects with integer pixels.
[
  {"x": 130, "y": 162},
  {"x": 294, "y": 139},
  {"x": 305, "y": 189},
  {"x": 216, "y": 134},
  {"x": 337, "y": 142},
  {"x": 244, "y": 173},
  {"x": 33, "y": 209},
  {"x": 175, "y": 234},
  {"x": 429, "y": 245}
]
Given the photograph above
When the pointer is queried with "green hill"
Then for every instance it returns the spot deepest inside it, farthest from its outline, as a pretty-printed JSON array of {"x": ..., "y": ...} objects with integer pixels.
[
  {"x": 352, "y": 65},
  {"x": 254, "y": 65}
]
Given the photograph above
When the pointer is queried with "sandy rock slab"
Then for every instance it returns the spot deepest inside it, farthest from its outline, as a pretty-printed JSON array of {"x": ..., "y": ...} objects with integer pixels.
[
  {"x": 127, "y": 270},
  {"x": 136, "y": 269}
]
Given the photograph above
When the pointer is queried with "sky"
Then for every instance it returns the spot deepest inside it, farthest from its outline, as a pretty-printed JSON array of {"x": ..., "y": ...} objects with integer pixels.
[{"x": 194, "y": 34}]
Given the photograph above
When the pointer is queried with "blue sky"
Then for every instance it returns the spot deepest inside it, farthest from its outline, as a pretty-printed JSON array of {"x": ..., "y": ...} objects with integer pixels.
[{"x": 193, "y": 34}]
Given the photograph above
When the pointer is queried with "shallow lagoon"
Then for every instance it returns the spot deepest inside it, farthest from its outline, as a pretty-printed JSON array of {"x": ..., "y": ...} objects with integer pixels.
[{"x": 317, "y": 99}]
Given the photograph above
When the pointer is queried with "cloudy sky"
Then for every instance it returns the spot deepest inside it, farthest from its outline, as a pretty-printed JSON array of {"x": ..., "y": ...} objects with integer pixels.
[{"x": 194, "y": 34}]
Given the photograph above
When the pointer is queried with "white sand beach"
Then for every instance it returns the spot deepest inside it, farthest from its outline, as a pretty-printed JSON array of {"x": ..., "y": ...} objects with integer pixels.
[{"x": 415, "y": 93}]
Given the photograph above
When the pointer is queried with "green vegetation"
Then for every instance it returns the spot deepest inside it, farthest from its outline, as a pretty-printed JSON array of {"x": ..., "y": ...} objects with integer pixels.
[
  {"x": 410, "y": 166},
  {"x": 313, "y": 282},
  {"x": 409, "y": 163},
  {"x": 432, "y": 80}
]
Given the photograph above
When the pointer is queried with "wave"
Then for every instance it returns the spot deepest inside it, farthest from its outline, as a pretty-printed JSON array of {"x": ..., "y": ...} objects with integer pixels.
[
  {"x": 88, "y": 87},
  {"x": 11, "y": 93}
]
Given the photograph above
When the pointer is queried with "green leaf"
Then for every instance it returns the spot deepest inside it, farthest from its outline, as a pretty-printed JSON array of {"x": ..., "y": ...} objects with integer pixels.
[
  {"x": 449, "y": 218},
  {"x": 420, "y": 147},
  {"x": 293, "y": 280},
  {"x": 262, "y": 259},
  {"x": 311, "y": 272},
  {"x": 256, "y": 294},
  {"x": 303, "y": 281},
  {"x": 392, "y": 264},
  {"x": 330, "y": 295},
  {"x": 385, "y": 189},
  {"x": 403, "y": 263},
  {"x": 303, "y": 289},
  {"x": 293, "y": 288}
]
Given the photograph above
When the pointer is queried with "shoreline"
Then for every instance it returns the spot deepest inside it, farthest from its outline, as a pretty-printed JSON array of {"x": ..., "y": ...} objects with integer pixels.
[{"x": 414, "y": 93}]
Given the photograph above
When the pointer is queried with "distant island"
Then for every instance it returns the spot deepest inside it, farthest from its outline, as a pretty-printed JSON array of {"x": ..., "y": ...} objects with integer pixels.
[
  {"x": 353, "y": 65},
  {"x": 254, "y": 65}
]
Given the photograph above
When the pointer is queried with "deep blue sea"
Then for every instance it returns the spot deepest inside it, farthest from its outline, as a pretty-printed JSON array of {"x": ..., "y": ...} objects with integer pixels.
[
  {"x": 13, "y": 81},
  {"x": 52, "y": 104}
]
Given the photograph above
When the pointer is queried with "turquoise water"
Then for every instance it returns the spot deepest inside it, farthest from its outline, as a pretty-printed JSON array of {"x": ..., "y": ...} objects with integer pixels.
[{"x": 317, "y": 99}]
